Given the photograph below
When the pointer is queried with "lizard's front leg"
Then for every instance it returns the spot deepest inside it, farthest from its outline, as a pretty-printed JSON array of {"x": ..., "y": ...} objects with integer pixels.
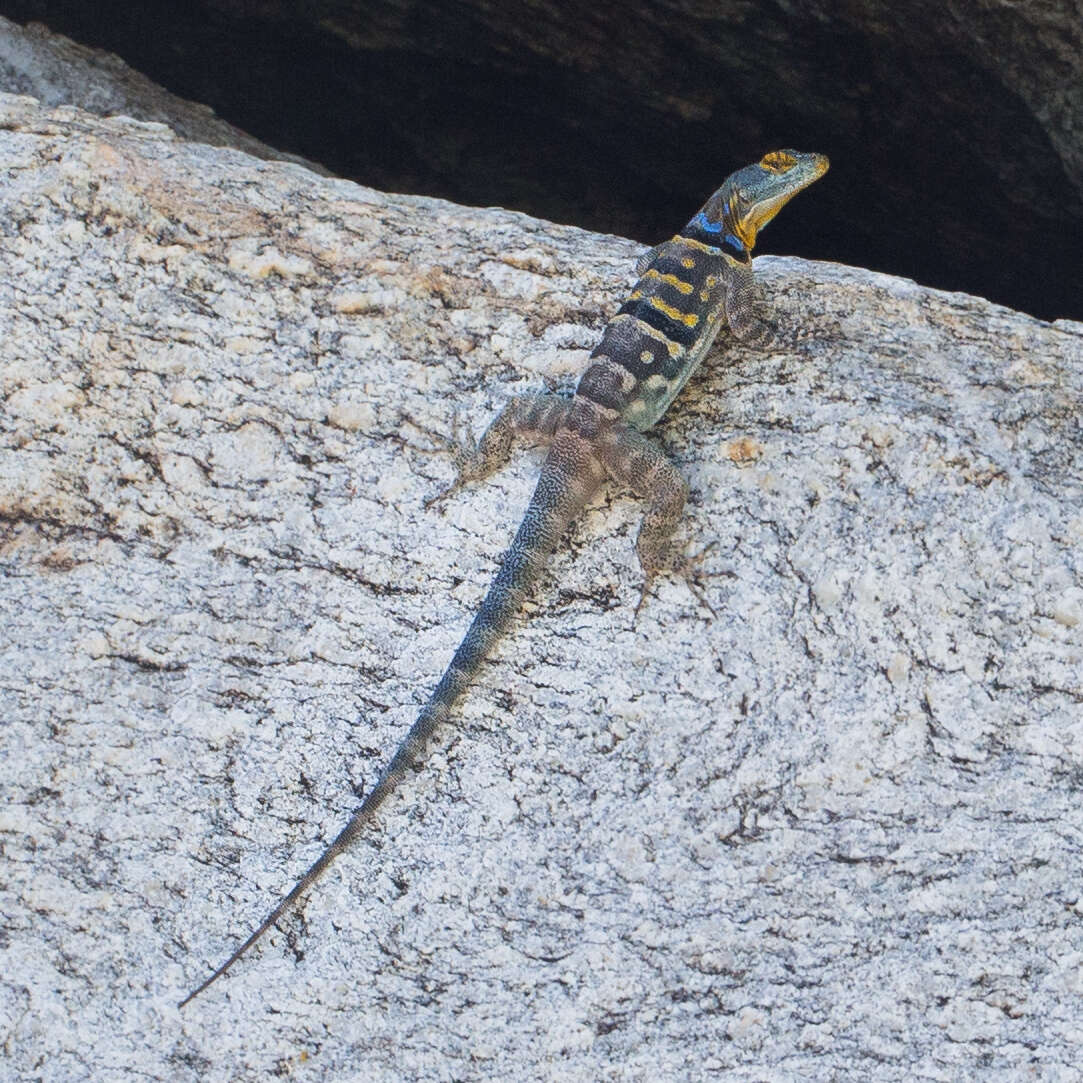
[
  {"x": 531, "y": 418},
  {"x": 746, "y": 308},
  {"x": 633, "y": 460}
]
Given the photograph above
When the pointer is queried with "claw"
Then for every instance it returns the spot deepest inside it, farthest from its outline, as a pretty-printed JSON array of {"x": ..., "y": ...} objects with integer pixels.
[
  {"x": 442, "y": 495},
  {"x": 461, "y": 452},
  {"x": 442, "y": 443},
  {"x": 697, "y": 558},
  {"x": 687, "y": 570},
  {"x": 646, "y": 589},
  {"x": 697, "y": 592}
]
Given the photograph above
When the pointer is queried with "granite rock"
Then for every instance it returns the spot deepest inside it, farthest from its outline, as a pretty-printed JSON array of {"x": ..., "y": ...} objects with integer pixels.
[{"x": 832, "y": 832}]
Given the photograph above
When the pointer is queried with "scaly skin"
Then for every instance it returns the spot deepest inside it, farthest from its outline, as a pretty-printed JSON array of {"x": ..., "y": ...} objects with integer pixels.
[{"x": 690, "y": 286}]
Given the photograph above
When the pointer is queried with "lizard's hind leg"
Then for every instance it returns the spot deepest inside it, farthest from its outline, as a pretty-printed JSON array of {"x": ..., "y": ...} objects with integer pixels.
[
  {"x": 530, "y": 418},
  {"x": 631, "y": 459}
]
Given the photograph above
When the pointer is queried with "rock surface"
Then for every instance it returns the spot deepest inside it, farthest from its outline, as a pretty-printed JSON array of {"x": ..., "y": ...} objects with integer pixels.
[{"x": 833, "y": 832}]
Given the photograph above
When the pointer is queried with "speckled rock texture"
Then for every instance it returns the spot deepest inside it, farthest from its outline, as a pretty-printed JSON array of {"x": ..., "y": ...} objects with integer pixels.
[{"x": 832, "y": 833}]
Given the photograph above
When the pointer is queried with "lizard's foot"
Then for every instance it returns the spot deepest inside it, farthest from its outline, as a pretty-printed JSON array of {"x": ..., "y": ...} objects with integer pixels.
[
  {"x": 456, "y": 445},
  {"x": 464, "y": 457},
  {"x": 443, "y": 494},
  {"x": 686, "y": 568},
  {"x": 644, "y": 591}
]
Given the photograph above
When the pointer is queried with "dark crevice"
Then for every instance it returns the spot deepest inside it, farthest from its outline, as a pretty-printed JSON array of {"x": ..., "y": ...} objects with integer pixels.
[{"x": 625, "y": 121}]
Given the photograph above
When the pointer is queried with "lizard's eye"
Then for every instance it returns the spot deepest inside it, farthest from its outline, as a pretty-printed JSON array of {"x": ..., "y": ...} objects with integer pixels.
[{"x": 778, "y": 161}]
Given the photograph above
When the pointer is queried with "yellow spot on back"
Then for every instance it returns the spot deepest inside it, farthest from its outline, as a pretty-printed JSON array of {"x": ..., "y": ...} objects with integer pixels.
[
  {"x": 688, "y": 262},
  {"x": 646, "y": 357},
  {"x": 678, "y": 284},
  {"x": 689, "y": 319}
]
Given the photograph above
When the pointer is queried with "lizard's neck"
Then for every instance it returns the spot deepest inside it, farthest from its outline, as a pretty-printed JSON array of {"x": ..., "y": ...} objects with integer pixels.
[{"x": 717, "y": 232}]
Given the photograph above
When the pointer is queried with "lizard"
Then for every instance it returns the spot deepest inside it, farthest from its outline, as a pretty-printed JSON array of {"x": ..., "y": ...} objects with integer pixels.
[{"x": 688, "y": 288}]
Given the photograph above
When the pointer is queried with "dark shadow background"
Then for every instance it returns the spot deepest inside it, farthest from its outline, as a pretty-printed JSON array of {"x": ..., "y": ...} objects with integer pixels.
[{"x": 623, "y": 118}]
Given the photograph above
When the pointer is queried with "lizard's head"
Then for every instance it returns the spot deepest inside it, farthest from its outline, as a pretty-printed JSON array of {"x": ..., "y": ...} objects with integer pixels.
[{"x": 752, "y": 196}]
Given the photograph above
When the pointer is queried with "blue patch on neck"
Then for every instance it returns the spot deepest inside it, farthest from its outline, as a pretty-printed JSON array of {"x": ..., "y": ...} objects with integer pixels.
[
  {"x": 703, "y": 222},
  {"x": 728, "y": 241}
]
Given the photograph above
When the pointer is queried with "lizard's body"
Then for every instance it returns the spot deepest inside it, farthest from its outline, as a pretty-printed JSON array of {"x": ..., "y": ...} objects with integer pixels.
[{"x": 690, "y": 286}]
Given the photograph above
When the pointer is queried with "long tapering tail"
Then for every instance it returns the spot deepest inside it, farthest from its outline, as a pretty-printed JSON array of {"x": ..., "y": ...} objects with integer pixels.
[{"x": 563, "y": 488}]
